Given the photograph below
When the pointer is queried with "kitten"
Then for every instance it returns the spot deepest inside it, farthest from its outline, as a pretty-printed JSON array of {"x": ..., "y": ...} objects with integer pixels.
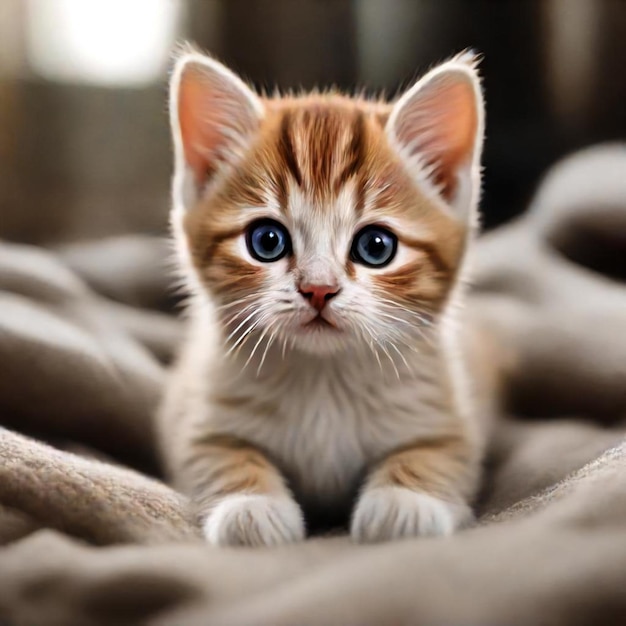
[{"x": 323, "y": 239}]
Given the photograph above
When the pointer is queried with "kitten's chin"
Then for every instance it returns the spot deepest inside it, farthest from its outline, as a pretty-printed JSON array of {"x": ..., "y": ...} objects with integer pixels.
[{"x": 320, "y": 338}]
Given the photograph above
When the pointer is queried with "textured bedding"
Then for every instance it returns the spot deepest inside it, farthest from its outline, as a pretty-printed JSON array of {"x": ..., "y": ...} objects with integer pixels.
[{"x": 91, "y": 536}]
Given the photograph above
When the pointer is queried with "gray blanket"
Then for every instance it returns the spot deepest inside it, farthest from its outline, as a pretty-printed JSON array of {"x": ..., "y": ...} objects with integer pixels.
[{"x": 91, "y": 536}]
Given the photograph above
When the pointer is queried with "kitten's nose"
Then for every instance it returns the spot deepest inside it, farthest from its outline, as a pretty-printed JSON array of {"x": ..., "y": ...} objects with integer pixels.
[{"x": 318, "y": 295}]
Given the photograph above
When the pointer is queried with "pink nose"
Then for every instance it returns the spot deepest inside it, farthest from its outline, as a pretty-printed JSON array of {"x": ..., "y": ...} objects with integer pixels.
[{"x": 318, "y": 295}]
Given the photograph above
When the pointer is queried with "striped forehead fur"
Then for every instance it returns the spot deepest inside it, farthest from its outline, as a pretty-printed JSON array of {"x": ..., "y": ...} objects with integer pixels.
[
  {"x": 326, "y": 162},
  {"x": 323, "y": 142}
]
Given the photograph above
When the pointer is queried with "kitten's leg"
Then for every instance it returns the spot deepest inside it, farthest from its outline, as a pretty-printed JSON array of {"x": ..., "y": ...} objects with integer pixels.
[
  {"x": 241, "y": 496},
  {"x": 419, "y": 490}
]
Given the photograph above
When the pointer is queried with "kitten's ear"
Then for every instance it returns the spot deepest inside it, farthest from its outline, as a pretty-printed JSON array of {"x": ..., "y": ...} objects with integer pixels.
[
  {"x": 437, "y": 126},
  {"x": 213, "y": 116}
]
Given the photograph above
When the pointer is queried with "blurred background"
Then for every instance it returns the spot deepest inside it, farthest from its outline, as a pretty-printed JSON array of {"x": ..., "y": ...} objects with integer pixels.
[{"x": 84, "y": 143}]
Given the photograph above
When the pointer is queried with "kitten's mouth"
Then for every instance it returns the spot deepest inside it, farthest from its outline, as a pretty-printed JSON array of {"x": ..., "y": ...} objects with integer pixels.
[{"x": 319, "y": 322}]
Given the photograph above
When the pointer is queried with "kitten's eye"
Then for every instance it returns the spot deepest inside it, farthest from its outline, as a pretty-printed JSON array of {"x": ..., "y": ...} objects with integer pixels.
[
  {"x": 374, "y": 246},
  {"x": 268, "y": 241}
]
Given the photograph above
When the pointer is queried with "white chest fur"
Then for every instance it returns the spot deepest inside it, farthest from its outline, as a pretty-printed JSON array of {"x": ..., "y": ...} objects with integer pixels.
[{"x": 325, "y": 420}]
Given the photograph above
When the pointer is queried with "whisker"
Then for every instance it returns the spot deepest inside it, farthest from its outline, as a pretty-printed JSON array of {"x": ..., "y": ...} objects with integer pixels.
[
  {"x": 230, "y": 305},
  {"x": 398, "y": 306},
  {"x": 244, "y": 334},
  {"x": 418, "y": 328},
  {"x": 393, "y": 363},
  {"x": 256, "y": 345},
  {"x": 249, "y": 317},
  {"x": 370, "y": 342},
  {"x": 267, "y": 347},
  {"x": 238, "y": 314},
  {"x": 247, "y": 337},
  {"x": 395, "y": 318},
  {"x": 393, "y": 345}
]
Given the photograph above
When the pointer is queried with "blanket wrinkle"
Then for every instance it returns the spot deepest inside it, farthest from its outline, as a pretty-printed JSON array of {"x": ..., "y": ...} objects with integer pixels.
[
  {"x": 336, "y": 582},
  {"x": 116, "y": 268},
  {"x": 543, "y": 302},
  {"x": 528, "y": 458},
  {"x": 102, "y": 502},
  {"x": 92, "y": 537},
  {"x": 64, "y": 350}
]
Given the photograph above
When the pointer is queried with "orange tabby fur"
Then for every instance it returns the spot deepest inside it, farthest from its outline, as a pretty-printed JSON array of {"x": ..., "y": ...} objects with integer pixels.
[
  {"x": 331, "y": 421},
  {"x": 325, "y": 141}
]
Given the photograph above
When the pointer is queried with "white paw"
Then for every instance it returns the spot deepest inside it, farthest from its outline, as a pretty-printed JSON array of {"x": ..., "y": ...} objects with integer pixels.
[
  {"x": 387, "y": 513},
  {"x": 254, "y": 520}
]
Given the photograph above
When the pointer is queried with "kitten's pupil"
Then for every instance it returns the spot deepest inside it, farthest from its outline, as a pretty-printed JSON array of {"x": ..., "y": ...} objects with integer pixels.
[
  {"x": 269, "y": 241},
  {"x": 375, "y": 246}
]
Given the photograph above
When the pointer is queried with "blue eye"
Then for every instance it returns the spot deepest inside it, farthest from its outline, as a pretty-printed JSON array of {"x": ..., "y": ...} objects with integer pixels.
[
  {"x": 374, "y": 246},
  {"x": 268, "y": 241}
]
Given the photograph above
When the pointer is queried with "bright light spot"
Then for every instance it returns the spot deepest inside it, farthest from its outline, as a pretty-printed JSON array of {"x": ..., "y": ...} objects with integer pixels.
[{"x": 106, "y": 42}]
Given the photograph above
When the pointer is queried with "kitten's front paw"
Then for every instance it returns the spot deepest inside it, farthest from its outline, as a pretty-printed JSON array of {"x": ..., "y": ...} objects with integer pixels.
[
  {"x": 254, "y": 520},
  {"x": 387, "y": 513}
]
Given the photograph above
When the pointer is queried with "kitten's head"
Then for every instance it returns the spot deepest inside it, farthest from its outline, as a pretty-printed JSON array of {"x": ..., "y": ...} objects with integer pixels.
[{"x": 323, "y": 220}]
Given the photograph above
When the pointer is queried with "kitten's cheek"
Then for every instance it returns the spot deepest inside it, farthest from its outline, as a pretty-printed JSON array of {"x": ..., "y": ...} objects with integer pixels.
[
  {"x": 388, "y": 513},
  {"x": 254, "y": 520}
]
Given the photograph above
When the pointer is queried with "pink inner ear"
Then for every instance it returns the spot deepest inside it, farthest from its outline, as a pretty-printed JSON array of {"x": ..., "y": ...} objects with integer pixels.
[
  {"x": 198, "y": 126},
  {"x": 439, "y": 124},
  {"x": 215, "y": 116}
]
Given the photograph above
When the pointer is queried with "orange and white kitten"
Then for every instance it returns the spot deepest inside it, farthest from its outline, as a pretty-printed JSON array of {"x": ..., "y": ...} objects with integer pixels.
[{"x": 323, "y": 239}]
